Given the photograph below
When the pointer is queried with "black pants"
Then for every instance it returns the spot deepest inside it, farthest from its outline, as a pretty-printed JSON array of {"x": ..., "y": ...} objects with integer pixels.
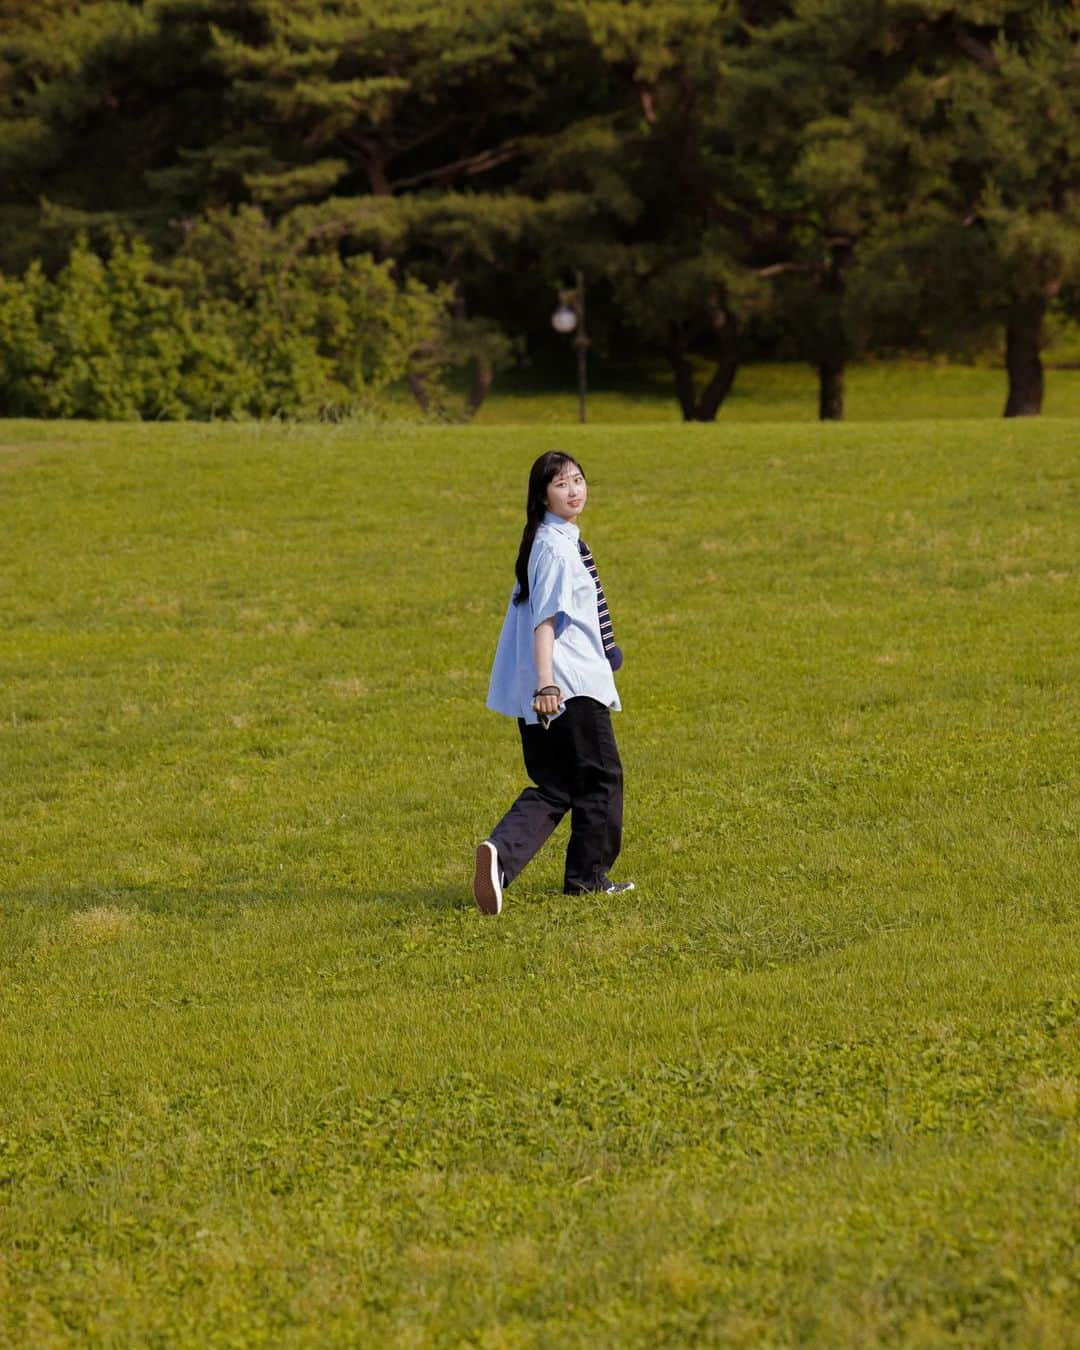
[{"x": 575, "y": 766}]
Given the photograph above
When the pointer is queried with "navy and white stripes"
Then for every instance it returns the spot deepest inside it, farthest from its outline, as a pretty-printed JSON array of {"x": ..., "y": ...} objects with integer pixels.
[{"x": 607, "y": 632}]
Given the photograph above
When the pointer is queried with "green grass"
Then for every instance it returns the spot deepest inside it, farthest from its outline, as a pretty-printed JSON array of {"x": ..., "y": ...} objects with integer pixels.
[
  {"x": 874, "y": 391},
  {"x": 267, "y": 1077}
]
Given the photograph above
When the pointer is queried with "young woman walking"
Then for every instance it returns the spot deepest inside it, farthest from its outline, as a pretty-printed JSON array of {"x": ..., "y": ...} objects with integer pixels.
[{"x": 553, "y": 672}]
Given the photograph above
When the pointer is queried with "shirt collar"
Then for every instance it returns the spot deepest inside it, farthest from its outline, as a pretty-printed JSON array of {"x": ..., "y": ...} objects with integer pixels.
[{"x": 562, "y": 526}]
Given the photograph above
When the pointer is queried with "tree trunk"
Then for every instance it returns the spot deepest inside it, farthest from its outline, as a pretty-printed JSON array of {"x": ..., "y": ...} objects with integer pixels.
[
  {"x": 1023, "y": 340},
  {"x": 831, "y": 389},
  {"x": 834, "y": 331},
  {"x": 483, "y": 374},
  {"x": 705, "y": 408},
  {"x": 718, "y": 388},
  {"x": 684, "y": 377},
  {"x": 419, "y": 391},
  {"x": 373, "y": 159}
]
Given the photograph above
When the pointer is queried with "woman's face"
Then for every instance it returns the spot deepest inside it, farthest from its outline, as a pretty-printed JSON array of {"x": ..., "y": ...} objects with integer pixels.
[{"x": 567, "y": 492}]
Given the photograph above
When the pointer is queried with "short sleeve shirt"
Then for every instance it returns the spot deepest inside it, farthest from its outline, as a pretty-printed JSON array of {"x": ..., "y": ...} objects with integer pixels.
[{"x": 560, "y": 588}]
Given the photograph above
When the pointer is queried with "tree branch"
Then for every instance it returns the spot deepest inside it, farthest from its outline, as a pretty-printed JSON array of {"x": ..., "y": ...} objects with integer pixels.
[
  {"x": 971, "y": 46},
  {"x": 648, "y": 104},
  {"x": 432, "y": 133},
  {"x": 472, "y": 164},
  {"x": 778, "y": 269}
]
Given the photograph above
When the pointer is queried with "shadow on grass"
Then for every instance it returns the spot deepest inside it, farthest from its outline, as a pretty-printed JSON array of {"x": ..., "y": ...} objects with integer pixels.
[
  {"x": 434, "y": 897},
  {"x": 209, "y": 901},
  {"x": 211, "y": 905}
]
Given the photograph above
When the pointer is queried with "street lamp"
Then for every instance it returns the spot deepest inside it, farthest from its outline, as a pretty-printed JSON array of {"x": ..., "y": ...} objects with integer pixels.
[{"x": 569, "y": 315}]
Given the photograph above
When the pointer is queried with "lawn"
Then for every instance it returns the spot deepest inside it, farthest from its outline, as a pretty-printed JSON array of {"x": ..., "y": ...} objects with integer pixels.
[
  {"x": 267, "y": 1077},
  {"x": 897, "y": 390}
]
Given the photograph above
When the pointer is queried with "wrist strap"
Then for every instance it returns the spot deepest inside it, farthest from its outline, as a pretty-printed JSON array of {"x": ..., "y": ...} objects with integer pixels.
[{"x": 547, "y": 689}]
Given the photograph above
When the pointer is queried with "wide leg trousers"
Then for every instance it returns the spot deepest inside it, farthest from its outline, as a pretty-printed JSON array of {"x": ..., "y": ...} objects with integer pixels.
[{"x": 575, "y": 766}]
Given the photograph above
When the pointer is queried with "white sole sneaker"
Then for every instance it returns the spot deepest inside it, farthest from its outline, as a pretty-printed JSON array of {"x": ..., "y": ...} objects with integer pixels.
[{"x": 487, "y": 885}]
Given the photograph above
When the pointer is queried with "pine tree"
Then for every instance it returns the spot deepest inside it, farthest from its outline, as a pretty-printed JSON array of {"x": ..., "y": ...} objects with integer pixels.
[
  {"x": 662, "y": 235},
  {"x": 92, "y": 102},
  {"x": 364, "y": 96},
  {"x": 817, "y": 96},
  {"x": 1009, "y": 114},
  {"x": 977, "y": 220}
]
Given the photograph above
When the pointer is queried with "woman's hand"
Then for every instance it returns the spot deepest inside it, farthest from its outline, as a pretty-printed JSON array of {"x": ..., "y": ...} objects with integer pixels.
[{"x": 546, "y": 701}]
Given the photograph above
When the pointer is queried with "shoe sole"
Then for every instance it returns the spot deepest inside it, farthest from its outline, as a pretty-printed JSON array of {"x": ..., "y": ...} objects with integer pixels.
[{"x": 485, "y": 888}]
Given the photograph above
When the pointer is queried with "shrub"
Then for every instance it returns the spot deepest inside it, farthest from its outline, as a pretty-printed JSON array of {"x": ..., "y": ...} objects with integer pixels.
[{"x": 248, "y": 320}]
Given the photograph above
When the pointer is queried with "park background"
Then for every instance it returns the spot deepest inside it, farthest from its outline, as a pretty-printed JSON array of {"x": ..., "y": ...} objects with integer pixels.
[
  {"x": 267, "y": 1077},
  {"x": 215, "y": 208}
]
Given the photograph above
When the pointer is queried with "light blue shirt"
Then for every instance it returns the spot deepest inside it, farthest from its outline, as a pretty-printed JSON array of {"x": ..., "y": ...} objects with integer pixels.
[{"x": 560, "y": 587}]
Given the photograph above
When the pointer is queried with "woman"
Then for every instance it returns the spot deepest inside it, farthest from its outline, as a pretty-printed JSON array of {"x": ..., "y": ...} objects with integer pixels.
[{"x": 553, "y": 672}]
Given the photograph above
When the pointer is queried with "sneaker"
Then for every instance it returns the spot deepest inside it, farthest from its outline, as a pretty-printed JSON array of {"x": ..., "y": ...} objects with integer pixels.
[
  {"x": 487, "y": 879},
  {"x": 605, "y": 886}
]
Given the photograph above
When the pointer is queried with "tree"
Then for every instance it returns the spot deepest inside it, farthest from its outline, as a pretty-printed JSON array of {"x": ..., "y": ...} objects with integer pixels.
[
  {"x": 791, "y": 172},
  {"x": 1010, "y": 109},
  {"x": 755, "y": 142},
  {"x": 94, "y": 100},
  {"x": 662, "y": 234},
  {"x": 364, "y": 96},
  {"x": 400, "y": 129},
  {"x": 303, "y": 106},
  {"x": 819, "y": 93},
  {"x": 987, "y": 232}
]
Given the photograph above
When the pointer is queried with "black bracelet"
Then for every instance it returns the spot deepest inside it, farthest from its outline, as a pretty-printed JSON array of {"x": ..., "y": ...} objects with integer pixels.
[{"x": 547, "y": 689}]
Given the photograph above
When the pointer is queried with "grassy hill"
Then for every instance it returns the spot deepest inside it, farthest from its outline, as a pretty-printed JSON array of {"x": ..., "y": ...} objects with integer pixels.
[{"x": 268, "y": 1077}]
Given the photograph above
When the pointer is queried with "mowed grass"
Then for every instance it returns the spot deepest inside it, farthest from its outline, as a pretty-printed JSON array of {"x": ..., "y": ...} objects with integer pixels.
[
  {"x": 267, "y": 1077},
  {"x": 779, "y": 392}
]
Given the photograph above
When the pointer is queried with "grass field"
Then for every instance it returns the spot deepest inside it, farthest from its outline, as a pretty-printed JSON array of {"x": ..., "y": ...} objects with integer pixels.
[
  {"x": 268, "y": 1078},
  {"x": 898, "y": 391}
]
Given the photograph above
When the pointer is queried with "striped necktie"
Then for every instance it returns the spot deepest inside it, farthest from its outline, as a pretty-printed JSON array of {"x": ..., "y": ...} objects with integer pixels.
[{"x": 607, "y": 633}]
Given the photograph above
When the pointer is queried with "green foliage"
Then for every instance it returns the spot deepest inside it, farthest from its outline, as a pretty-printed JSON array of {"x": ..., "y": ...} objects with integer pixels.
[
  {"x": 323, "y": 332},
  {"x": 991, "y": 222},
  {"x": 367, "y": 96},
  {"x": 246, "y": 323},
  {"x": 745, "y": 172},
  {"x": 96, "y": 96},
  {"x": 102, "y": 341}
]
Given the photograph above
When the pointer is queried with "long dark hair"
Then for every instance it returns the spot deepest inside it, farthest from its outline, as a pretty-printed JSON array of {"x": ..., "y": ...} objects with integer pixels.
[{"x": 548, "y": 466}]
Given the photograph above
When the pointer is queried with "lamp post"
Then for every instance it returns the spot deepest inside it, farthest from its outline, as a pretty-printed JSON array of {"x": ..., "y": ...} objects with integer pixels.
[{"x": 569, "y": 315}]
